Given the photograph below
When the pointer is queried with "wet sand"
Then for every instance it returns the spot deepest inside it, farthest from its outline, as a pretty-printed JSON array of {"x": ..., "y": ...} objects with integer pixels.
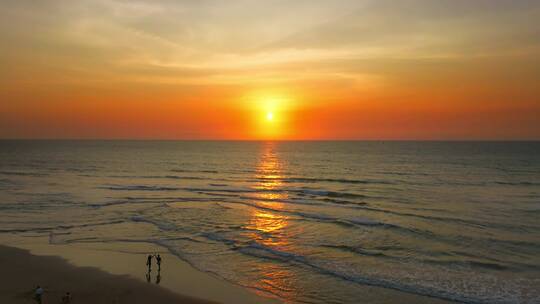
[{"x": 22, "y": 271}]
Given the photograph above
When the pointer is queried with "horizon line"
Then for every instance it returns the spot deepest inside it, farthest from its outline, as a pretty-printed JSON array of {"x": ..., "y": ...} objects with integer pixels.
[{"x": 275, "y": 140}]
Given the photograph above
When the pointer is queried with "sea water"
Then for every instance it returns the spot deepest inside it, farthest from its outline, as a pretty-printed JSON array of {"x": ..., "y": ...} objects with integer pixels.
[{"x": 306, "y": 222}]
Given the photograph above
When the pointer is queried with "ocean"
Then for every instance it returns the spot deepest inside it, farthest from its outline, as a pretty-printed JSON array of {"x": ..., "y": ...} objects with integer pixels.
[{"x": 307, "y": 222}]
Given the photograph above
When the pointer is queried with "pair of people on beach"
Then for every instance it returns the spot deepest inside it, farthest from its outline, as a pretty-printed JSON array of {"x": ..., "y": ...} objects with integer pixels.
[
  {"x": 39, "y": 291},
  {"x": 149, "y": 261}
]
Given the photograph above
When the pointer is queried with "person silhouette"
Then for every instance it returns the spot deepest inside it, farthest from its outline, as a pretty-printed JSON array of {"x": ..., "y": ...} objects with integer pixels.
[
  {"x": 158, "y": 261},
  {"x": 38, "y": 294},
  {"x": 149, "y": 262}
]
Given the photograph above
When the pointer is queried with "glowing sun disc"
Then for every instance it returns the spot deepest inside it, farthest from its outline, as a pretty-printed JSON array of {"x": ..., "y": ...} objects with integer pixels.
[{"x": 269, "y": 116}]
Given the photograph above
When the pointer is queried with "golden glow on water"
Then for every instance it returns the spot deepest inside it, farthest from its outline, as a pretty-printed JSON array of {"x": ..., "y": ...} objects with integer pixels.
[
  {"x": 269, "y": 174},
  {"x": 271, "y": 229},
  {"x": 278, "y": 280},
  {"x": 267, "y": 222},
  {"x": 269, "y": 226}
]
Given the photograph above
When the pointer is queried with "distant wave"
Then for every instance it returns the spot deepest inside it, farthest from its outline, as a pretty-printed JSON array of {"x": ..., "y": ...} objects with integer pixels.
[
  {"x": 162, "y": 225},
  {"x": 300, "y": 192},
  {"x": 194, "y": 171},
  {"x": 403, "y": 173},
  {"x": 231, "y": 190},
  {"x": 447, "y": 219},
  {"x": 330, "y": 180},
  {"x": 6, "y": 181},
  {"x": 161, "y": 177},
  {"x": 522, "y": 183},
  {"x": 449, "y": 263},
  {"x": 329, "y": 193},
  {"x": 281, "y": 179},
  {"x": 18, "y": 173},
  {"x": 61, "y": 227},
  {"x": 138, "y": 188},
  {"x": 8, "y": 184},
  {"x": 304, "y": 192}
]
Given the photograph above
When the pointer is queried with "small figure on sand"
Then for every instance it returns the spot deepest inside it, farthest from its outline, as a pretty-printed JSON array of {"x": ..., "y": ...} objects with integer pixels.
[
  {"x": 66, "y": 299},
  {"x": 149, "y": 262},
  {"x": 38, "y": 294},
  {"x": 158, "y": 261}
]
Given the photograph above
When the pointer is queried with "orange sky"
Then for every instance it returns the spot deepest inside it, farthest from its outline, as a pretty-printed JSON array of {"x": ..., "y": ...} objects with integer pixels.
[{"x": 325, "y": 69}]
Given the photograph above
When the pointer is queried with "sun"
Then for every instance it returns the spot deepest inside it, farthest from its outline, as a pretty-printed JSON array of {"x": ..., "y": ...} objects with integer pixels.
[{"x": 269, "y": 113}]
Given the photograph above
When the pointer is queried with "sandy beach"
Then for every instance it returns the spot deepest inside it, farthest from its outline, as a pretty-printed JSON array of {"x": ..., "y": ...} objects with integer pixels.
[
  {"x": 23, "y": 271},
  {"x": 107, "y": 273}
]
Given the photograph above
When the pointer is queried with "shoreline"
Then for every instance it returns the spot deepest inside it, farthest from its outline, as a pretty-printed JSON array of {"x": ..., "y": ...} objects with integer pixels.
[{"x": 120, "y": 263}]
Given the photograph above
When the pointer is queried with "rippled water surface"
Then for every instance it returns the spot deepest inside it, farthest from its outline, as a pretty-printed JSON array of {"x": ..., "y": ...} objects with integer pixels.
[{"x": 306, "y": 221}]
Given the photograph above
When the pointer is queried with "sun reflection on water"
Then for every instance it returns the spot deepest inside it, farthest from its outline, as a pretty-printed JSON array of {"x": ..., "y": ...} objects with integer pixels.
[{"x": 269, "y": 228}]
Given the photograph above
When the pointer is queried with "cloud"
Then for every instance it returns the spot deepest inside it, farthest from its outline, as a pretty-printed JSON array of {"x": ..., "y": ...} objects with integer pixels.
[{"x": 238, "y": 42}]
